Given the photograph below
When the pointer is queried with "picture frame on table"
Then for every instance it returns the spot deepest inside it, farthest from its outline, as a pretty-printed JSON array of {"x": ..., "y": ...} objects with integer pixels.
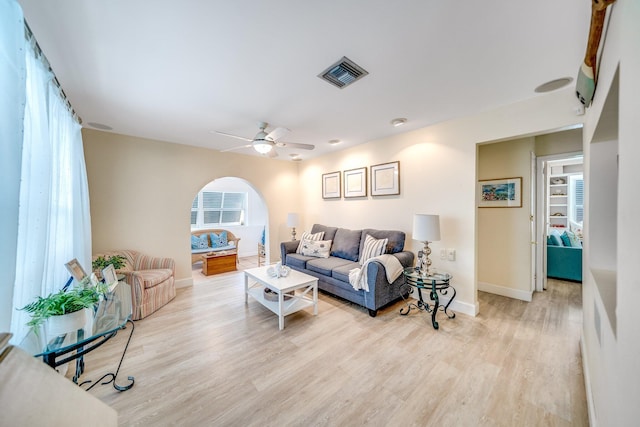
[
  {"x": 500, "y": 193},
  {"x": 355, "y": 182},
  {"x": 76, "y": 270},
  {"x": 385, "y": 179},
  {"x": 110, "y": 277},
  {"x": 331, "y": 185}
]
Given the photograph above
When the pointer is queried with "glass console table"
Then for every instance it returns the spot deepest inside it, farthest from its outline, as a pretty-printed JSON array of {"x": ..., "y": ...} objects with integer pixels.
[
  {"x": 112, "y": 314},
  {"x": 434, "y": 284}
]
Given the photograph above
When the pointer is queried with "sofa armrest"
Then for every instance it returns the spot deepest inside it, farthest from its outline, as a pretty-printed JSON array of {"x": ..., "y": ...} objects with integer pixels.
[
  {"x": 288, "y": 248},
  {"x": 134, "y": 279},
  {"x": 405, "y": 257},
  {"x": 379, "y": 288}
]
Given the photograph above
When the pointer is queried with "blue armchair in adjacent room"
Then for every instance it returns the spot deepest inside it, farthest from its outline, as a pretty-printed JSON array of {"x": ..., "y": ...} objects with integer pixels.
[{"x": 564, "y": 262}]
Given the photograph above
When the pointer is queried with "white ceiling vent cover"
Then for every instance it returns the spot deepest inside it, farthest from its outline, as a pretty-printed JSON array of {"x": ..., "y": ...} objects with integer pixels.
[{"x": 343, "y": 73}]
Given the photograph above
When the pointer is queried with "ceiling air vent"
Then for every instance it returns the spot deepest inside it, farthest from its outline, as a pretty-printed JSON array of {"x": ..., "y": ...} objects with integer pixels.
[{"x": 343, "y": 73}]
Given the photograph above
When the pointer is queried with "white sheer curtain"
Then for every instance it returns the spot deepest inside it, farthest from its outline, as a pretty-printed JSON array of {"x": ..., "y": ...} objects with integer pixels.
[
  {"x": 12, "y": 98},
  {"x": 54, "y": 221}
]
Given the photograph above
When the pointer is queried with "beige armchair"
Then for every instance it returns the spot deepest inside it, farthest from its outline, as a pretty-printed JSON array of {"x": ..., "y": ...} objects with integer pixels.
[{"x": 151, "y": 279}]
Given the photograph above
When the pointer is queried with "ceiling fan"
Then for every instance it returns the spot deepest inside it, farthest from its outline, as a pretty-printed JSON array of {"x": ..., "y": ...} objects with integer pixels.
[{"x": 265, "y": 143}]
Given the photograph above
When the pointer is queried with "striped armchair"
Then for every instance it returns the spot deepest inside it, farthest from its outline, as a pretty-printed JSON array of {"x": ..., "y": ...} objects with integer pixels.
[{"x": 151, "y": 279}]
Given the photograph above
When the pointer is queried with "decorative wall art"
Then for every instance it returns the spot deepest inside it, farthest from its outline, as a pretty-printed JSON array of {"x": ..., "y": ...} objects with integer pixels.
[
  {"x": 331, "y": 185},
  {"x": 355, "y": 182},
  {"x": 500, "y": 193},
  {"x": 385, "y": 179}
]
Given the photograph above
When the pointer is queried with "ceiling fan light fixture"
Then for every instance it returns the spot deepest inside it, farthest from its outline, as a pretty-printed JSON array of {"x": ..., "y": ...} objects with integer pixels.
[{"x": 262, "y": 147}]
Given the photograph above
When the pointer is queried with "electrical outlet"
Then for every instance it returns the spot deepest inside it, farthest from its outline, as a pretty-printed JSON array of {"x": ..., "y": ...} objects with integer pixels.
[
  {"x": 443, "y": 254},
  {"x": 451, "y": 254}
]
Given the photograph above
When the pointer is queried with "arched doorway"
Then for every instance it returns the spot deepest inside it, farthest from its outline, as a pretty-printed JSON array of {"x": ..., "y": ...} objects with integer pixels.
[{"x": 232, "y": 204}]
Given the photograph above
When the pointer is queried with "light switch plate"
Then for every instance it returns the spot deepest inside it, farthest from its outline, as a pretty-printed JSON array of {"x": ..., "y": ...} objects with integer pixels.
[{"x": 451, "y": 254}]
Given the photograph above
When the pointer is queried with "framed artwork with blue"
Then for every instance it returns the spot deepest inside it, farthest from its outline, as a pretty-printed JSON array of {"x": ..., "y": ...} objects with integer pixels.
[{"x": 500, "y": 193}]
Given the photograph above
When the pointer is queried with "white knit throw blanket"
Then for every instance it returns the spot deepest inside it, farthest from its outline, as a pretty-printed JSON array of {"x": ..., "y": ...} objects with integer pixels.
[{"x": 358, "y": 276}]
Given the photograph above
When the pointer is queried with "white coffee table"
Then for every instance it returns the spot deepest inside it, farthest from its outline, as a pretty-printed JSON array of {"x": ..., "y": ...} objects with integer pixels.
[{"x": 305, "y": 285}]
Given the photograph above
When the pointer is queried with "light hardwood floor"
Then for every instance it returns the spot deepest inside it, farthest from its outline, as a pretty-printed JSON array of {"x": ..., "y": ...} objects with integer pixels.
[{"x": 207, "y": 359}]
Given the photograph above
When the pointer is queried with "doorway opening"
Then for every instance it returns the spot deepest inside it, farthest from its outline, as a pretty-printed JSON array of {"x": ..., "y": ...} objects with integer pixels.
[
  {"x": 233, "y": 205},
  {"x": 560, "y": 200}
]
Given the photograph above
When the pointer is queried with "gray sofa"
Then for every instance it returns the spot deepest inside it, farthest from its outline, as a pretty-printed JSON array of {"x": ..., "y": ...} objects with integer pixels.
[{"x": 333, "y": 272}]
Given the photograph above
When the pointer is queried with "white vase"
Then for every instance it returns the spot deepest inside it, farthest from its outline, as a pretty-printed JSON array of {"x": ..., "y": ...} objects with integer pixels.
[{"x": 71, "y": 322}]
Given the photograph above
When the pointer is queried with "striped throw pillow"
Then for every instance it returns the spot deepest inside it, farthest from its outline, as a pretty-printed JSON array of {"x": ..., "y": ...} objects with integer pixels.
[
  {"x": 372, "y": 248},
  {"x": 309, "y": 236}
]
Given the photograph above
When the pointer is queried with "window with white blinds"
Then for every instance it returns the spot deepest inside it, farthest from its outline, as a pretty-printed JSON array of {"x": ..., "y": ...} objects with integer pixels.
[
  {"x": 215, "y": 208},
  {"x": 576, "y": 199}
]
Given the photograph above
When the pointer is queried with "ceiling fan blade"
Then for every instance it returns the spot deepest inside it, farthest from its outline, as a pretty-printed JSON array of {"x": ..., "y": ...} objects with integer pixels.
[
  {"x": 236, "y": 148},
  {"x": 295, "y": 145},
  {"x": 235, "y": 136},
  {"x": 277, "y": 133}
]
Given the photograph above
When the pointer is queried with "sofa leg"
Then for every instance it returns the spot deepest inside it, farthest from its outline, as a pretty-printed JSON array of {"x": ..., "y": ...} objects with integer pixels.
[{"x": 373, "y": 313}]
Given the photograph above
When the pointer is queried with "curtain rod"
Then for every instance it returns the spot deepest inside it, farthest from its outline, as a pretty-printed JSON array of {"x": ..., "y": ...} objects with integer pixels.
[{"x": 40, "y": 55}]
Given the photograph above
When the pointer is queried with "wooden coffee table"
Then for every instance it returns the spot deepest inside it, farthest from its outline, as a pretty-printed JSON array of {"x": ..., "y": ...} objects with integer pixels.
[
  {"x": 219, "y": 262},
  {"x": 305, "y": 285}
]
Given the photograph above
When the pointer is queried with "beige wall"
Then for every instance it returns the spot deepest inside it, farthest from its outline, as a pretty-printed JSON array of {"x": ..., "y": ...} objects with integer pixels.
[
  {"x": 141, "y": 193},
  {"x": 504, "y": 235},
  {"x": 568, "y": 141}
]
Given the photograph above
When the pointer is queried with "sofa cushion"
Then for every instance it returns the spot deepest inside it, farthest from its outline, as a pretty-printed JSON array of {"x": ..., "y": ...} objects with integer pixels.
[
  {"x": 199, "y": 242},
  {"x": 298, "y": 260},
  {"x": 346, "y": 244},
  {"x": 316, "y": 248},
  {"x": 565, "y": 240},
  {"x": 555, "y": 238},
  {"x": 372, "y": 248},
  {"x": 309, "y": 236},
  {"x": 329, "y": 232},
  {"x": 151, "y": 278},
  {"x": 342, "y": 272},
  {"x": 326, "y": 265},
  {"x": 395, "y": 243},
  {"x": 219, "y": 239},
  {"x": 221, "y": 248},
  {"x": 574, "y": 242}
]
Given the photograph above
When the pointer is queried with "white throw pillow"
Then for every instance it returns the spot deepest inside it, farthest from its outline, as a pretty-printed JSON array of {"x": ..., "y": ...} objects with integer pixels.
[
  {"x": 372, "y": 248},
  {"x": 316, "y": 248},
  {"x": 308, "y": 236}
]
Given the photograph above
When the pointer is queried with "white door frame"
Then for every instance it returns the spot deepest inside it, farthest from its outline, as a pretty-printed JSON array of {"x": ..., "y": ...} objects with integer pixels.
[{"x": 541, "y": 215}]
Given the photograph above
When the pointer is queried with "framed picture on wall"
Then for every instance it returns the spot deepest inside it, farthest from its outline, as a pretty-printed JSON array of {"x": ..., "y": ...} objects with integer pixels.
[
  {"x": 385, "y": 179},
  {"x": 355, "y": 182},
  {"x": 331, "y": 185},
  {"x": 500, "y": 193}
]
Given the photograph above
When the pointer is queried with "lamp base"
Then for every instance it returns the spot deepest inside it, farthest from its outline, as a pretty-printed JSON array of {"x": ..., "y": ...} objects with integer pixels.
[
  {"x": 425, "y": 268},
  {"x": 293, "y": 233}
]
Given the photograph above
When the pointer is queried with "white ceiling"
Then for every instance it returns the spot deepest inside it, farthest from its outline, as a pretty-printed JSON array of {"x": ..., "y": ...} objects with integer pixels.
[{"x": 177, "y": 70}]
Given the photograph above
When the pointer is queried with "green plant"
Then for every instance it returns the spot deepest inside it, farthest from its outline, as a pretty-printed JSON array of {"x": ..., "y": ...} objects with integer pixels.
[
  {"x": 60, "y": 303},
  {"x": 102, "y": 262}
]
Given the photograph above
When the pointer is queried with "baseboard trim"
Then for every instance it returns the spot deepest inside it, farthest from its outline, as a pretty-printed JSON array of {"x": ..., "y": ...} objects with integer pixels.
[
  {"x": 505, "y": 292},
  {"x": 593, "y": 422},
  {"x": 184, "y": 283}
]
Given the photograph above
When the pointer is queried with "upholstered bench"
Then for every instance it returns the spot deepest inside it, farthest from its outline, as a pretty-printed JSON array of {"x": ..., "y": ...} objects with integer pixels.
[{"x": 213, "y": 240}]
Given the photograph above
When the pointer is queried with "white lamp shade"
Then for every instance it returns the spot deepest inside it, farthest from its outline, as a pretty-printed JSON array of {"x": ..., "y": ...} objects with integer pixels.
[
  {"x": 293, "y": 220},
  {"x": 426, "y": 228}
]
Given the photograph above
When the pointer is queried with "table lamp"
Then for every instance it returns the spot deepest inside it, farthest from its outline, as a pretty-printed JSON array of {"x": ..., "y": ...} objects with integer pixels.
[
  {"x": 293, "y": 221},
  {"x": 426, "y": 228}
]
